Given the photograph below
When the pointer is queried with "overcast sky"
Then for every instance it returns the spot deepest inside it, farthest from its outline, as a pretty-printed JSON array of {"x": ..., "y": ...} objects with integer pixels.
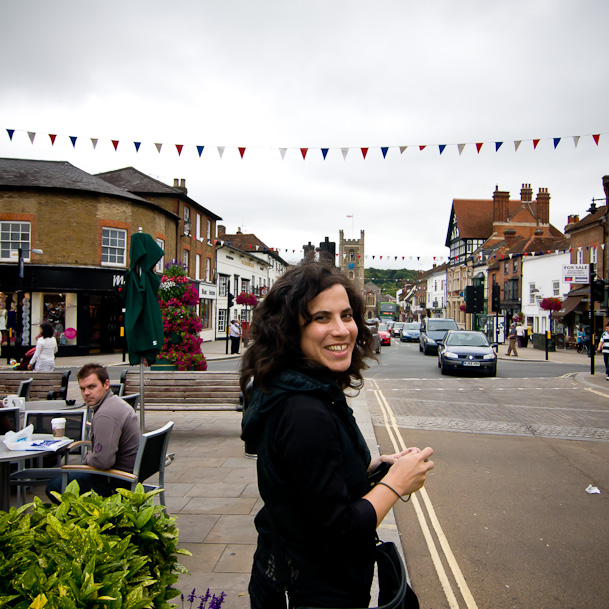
[{"x": 337, "y": 74}]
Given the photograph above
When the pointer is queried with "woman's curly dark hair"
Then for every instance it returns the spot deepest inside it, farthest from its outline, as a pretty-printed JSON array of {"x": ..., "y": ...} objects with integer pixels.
[{"x": 276, "y": 328}]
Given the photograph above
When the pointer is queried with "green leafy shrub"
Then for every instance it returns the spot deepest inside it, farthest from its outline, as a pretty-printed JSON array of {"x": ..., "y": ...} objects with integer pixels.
[{"x": 89, "y": 551}]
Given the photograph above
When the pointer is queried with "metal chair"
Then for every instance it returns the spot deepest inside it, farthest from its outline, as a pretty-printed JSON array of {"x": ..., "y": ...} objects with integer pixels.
[
  {"x": 34, "y": 472},
  {"x": 24, "y": 388},
  {"x": 9, "y": 419},
  {"x": 133, "y": 399},
  {"x": 118, "y": 388},
  {"x": 150, "y": 460}
]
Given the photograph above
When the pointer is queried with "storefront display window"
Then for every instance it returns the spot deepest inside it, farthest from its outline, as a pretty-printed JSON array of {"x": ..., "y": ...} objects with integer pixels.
[{"x": 54, "y": 312}]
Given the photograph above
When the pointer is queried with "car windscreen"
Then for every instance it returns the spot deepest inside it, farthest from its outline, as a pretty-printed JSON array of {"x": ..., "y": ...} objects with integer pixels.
[
  {"x": 382, "y": 328},
  {"x": 462, "y": 339},
  {"x": 441, "y": 325},
  {"x": 412, "y": 326}
]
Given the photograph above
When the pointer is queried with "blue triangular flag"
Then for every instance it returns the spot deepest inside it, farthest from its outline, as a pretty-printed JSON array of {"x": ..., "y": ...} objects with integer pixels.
[
  {"x": 384, "y": 150},
  {"x": 324, "y": 151},
  {"x": 137, "y": 146},
  {"x": 10, "y": 134},
  {"x": 442, "y": 146},
  {"x": 200, "y": 150},
  {"x": 498, "y": 145},
  {"x": 73, "y": 139},
  {"x": 556, "y": 141}
]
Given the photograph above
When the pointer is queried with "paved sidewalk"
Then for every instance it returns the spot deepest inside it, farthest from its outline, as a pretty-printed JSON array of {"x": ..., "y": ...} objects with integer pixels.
[{"x": 211, "y": 487}]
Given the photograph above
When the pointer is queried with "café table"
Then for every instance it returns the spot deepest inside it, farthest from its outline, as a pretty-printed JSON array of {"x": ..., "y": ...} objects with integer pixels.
[{"x": 7, "y": 457}]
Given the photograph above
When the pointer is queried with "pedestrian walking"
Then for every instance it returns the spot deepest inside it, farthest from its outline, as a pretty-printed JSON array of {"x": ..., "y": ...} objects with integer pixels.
[
  {"x": 316, "y": 530},
  {"x": 603, "y": 346},
  {"x": 520, "y": 333},
  {"x": 512, "y": 337},
  {"x": 235, "y": 336}
]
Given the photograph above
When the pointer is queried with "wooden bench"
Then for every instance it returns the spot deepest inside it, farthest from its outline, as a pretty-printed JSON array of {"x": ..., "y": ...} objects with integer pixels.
[
  {"x": 176, "y": 390},
  {"x": 45, "y": 386}
]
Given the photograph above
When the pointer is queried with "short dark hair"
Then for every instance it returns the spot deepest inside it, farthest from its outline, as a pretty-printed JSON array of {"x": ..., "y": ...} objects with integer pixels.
[
  {"x": 96, "y": 369},
  {"x": 276, "y": 326},
  {"x": 46, "y": 330}
]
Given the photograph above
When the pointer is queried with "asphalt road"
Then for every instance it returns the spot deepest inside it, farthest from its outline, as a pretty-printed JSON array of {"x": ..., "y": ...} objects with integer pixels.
[{"x": 505, "y": 520}]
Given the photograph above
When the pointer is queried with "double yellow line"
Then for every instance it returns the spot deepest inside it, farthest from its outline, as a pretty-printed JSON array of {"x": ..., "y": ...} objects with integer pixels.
[{"x": 399, "y": 445}]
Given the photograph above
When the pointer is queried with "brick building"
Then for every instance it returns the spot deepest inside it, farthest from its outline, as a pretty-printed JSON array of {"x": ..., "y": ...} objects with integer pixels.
[{"x": 83, "y": 224}]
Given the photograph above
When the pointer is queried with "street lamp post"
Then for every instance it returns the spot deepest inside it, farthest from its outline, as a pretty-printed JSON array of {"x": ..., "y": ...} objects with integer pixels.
[{"x": 19, "y": 292}]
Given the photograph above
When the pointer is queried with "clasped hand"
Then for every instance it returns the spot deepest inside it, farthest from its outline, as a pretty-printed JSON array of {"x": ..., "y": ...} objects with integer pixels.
[{"x": 409, "y": 469}]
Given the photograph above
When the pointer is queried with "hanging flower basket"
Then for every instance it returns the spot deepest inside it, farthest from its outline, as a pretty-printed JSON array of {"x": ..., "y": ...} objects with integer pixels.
[
  {"x": 462, "y": 307},
  {"x": 551, "y": 304},
  {"x": 518, "y": 318},
  {"x": 249, "y": 300}
]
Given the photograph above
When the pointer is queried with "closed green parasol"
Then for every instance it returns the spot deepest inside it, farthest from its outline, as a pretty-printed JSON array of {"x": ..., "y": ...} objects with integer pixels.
[{"x": 143, "y": 319}]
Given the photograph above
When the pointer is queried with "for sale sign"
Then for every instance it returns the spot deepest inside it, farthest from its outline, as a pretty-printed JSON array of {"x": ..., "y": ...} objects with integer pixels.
[{"x": 576, "y": 273}]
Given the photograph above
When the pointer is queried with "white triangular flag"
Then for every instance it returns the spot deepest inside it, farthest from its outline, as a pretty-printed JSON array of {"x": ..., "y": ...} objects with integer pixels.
[
  {"x": 32, "y": 136},
  {"x": 221, "y": 150},
  {"x": 576, "y": 140},
  {"x": 94, "y": 142},
  {"x": 158, "y": 147},
  {"x": 282, "y": 151},
  {"x": 345, "y": 152},
  {"x": 460, "y": 147},
  {"x": 516, "y": 144}
]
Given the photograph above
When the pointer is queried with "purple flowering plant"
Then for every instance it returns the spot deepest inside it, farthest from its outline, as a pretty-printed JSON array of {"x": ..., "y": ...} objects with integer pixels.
[{"x": 215, "y": 602}]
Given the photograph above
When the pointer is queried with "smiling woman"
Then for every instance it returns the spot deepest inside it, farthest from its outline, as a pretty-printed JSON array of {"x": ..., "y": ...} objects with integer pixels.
[{"x": 316, "y": 530}]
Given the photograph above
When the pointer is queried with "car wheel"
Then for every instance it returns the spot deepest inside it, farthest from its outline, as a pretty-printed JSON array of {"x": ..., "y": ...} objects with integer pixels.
[
  {"x": 493, "y": 371},
  {"x": 443, "y": 369},
  {"x": 426, "y": 350}
]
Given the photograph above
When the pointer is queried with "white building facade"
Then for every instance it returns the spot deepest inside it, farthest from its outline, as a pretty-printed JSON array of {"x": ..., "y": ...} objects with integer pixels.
[{"x": 542, "y": 278}]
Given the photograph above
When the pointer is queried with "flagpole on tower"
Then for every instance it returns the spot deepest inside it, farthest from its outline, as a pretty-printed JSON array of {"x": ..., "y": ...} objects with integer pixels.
[{"x": 352, "y": 226}]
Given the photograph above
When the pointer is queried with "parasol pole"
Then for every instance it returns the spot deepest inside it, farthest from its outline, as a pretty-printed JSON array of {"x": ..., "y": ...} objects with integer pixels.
[{"x": 142, "y": 409}]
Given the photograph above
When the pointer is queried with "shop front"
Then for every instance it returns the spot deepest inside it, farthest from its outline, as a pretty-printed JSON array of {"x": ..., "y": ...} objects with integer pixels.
[{"x": 82, "y": 304}]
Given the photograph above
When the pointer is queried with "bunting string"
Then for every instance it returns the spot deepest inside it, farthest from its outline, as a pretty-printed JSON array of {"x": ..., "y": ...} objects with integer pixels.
[{"x": 15, "y": 135}]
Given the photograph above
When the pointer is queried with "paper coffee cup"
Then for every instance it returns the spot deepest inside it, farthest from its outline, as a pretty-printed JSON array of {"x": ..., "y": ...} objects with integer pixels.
[{"x": 59, "y": 427}]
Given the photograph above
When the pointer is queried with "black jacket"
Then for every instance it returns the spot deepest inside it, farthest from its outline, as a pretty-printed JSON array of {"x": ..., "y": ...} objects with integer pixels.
[{"x": 312, "y": 475}]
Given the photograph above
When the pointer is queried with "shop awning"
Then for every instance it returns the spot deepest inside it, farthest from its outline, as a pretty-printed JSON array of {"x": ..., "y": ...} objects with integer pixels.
[{"x": 570, "y": 303}]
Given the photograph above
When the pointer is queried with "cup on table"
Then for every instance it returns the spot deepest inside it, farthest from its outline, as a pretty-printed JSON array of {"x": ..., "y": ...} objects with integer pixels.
[
  {"x": 19, "y": 402},
  {"x": 59, "y": 427},
  {"x": 9, "y": 400}
]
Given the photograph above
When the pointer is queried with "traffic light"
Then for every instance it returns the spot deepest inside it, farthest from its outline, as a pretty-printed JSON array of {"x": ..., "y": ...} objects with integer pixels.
[
  {"x": 496, "y": 298},
  {"x": 474, "y": 299},
  {"x": 119, "y": 294},
  {"x": 231, "y": 301},
  {"x": 598, "y": 290}
]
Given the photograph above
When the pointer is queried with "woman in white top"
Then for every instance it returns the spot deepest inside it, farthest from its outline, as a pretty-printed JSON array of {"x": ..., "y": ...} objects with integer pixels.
[{"x": 46, "y": 347}]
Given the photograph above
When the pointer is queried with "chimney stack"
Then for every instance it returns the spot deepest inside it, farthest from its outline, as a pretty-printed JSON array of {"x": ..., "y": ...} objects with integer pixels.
[
  {"x": 509, "y": 234},
  {"x": 501, "y": 205},
  {"x": 526, "y": 193},
  {"x": 573, "y": 219},
  {"x": 543, "y": 206},
  {"x": 176, "y": 183}
]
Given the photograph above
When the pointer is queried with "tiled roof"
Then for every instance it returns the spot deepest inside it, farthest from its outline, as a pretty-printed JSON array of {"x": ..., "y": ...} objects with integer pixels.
[
  {"x": 588, "y": 220},
  {"x": 28, "y": 173},
  {"x": 474, "y": 217},
  {"x": 135, "y": 181}
]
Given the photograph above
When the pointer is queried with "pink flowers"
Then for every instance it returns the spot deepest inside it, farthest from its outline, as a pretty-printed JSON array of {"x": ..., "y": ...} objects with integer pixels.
[
  {"x": 246, "y": 299},
  {"x": 551, "y": 304},
  {"x": 181, "y": 325}
]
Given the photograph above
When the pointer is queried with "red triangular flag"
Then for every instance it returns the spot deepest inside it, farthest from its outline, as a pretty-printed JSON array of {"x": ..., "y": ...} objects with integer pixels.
[
  {"x": 535, "y": 142},
  {"x": 304, "y": 151},
  {"x": 596, "y": 138},
  {"x": 422, "y": 147},
  {"x": 179, "y": 149},
  {"x": 364, "y": 152},
  {"x": 478, "y": 146},
  {"x": 241, "y": 152},
  {"x": 52, "y": 136},
  {"x": 115, "y": 144}
]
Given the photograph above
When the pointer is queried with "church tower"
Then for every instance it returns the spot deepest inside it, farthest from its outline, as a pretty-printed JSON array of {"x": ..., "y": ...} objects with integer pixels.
[{"x": 351, "y": 259}]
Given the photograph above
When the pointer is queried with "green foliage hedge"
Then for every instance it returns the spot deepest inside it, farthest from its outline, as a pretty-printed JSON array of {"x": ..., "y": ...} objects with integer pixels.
[{"x": 89, "y": 551}]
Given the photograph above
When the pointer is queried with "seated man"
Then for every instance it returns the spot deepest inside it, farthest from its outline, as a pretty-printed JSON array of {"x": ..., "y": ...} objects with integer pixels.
[{"x": 115, "y": 434}]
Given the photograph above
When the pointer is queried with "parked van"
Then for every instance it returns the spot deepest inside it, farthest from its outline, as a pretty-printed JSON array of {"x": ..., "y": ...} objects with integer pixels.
[{"x": 432, "y": 330}]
